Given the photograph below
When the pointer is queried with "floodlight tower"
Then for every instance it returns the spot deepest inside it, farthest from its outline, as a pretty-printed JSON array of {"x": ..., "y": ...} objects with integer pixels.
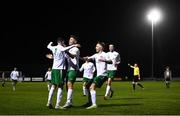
[{"x": 153, "y": 16}]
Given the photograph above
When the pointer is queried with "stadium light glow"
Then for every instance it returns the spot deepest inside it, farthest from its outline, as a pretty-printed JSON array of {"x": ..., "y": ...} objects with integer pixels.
[{"x": 154, "y": 16}]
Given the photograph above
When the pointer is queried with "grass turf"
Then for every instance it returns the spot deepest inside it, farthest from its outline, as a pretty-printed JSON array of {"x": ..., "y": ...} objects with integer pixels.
[{"x": 30, "y": 98}]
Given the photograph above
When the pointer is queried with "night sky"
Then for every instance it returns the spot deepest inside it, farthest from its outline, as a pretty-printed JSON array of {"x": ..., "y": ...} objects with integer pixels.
[{"x": 27, "y": 28}]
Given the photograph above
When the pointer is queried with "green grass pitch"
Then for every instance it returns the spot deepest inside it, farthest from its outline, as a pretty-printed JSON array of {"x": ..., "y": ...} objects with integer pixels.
[{"x": 30, "y": 98}]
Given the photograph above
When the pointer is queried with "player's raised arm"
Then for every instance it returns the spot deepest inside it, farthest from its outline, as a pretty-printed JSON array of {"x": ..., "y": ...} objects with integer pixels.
[
  {"x": 49, "y": 46},
  {"x": 130, "y": 65}
]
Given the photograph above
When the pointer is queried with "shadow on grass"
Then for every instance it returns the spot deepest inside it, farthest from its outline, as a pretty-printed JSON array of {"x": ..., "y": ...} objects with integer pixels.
[
  {"x": 110, "y": 105},
  {"x": 125, "y": 98}
]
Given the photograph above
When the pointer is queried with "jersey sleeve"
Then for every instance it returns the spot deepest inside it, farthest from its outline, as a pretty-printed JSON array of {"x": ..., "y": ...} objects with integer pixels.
[
  {"x": 75, "y": 51},
  {"x": 92, "y": 57}
]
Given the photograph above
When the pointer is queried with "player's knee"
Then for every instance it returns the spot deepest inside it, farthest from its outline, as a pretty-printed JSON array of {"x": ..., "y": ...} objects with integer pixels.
[
  {"x": 70, "y": 86},
  {"x": 93, "y": 86},
  {"x": 53, "y": 87},
  {"x": 109, "y": 82}
]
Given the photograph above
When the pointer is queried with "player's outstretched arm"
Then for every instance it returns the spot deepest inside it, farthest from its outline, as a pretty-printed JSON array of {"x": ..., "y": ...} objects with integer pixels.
[
  {"x": 72, "y": 55},
  {"x": 69, "y": 47},
  {"x": 130, "y": 65},
  {"x": 77, "y": 45}
]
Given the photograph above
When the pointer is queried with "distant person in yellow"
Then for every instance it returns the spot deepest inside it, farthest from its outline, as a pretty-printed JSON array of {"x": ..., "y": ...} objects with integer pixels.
[{"x": 136, "y": 76}]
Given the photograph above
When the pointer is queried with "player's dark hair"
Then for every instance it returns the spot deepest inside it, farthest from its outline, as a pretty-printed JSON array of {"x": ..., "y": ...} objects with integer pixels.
[
  {"x": 60, "y": 40},
  {"x": 73, "y": 36},
  {"x": 167, "y": 67},
  {"x": 102, "y": 44}
]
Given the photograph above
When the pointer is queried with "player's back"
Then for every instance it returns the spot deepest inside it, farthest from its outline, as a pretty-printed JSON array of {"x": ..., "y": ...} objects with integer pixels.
[{"x": 59, "y": 57}]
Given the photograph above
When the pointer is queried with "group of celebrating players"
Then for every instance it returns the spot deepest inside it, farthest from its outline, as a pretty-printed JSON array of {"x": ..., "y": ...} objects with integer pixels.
[{"x": 105, "y": 67}]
